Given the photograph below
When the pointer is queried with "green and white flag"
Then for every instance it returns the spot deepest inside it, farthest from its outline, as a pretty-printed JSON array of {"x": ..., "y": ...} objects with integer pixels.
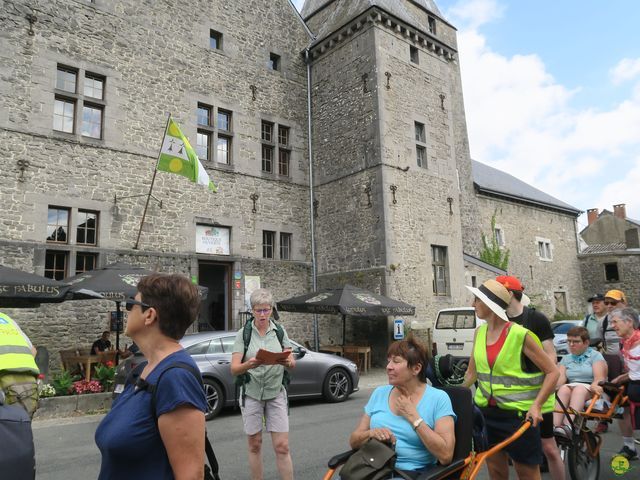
[{"x": 177, "y": 156}]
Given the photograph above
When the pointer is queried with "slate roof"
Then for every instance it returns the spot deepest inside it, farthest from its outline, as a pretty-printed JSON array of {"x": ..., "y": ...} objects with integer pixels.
[
  {"x": 496, "y": 182},
  {"x": 349, "y": 9},
  {"x": 605, "y": 248},
  {"x": 482, "y": 264}
]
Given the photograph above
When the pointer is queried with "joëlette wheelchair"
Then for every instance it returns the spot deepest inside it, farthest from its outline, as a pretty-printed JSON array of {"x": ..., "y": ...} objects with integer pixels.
[
  {"x": 581, "y": 450},
  {"x": 466, "y": 463}
]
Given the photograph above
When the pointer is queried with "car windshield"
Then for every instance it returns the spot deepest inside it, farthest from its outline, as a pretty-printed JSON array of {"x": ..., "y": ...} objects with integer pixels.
[{"x": 563, "y": 327}]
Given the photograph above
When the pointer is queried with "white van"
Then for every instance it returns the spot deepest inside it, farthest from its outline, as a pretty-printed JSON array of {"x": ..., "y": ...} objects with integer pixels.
[{"x": 454, "y": 331}]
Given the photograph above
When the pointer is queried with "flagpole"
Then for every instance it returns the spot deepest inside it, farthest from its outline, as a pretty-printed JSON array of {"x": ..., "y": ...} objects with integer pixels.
[{"x": 153, "y": 179}]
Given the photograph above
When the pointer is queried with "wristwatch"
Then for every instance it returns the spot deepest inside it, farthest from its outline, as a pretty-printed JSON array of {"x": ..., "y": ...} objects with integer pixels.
[{"x": 417, "y": 423}]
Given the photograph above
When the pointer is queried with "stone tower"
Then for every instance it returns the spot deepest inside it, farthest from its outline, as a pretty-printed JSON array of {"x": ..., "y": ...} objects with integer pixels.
[{"x": 392, "y": 171}]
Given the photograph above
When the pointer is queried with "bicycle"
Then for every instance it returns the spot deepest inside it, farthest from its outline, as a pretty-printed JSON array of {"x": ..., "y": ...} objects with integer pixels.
[{"x": 581, "y": 450}]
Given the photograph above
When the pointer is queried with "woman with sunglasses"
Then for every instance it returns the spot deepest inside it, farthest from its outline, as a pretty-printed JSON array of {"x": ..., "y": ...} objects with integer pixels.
[
  {"x": 262, "y": 391},
  {"x": 580, "y": 375},
  {"x": 135, "y": 440}
]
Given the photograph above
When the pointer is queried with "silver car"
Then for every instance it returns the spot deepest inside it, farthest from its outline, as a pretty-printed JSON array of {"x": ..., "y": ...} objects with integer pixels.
[
  {"x": 560, "y": 329},
  {"x": 316, "y": 375}
]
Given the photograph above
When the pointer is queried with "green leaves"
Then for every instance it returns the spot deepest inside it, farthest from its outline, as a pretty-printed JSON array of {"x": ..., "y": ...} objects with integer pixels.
[{"x": 492, "y": 252}]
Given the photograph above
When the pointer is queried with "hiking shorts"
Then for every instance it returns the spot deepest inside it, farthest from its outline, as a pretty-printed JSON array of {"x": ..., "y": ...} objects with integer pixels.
[{"x": 273, "y": 414}]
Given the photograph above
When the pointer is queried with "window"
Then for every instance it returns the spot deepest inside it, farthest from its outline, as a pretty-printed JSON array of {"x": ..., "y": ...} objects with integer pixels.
[
  {"x": 269, "y": 147},
  {"x": 215, "y": 40},
  {"x": 440, "y": 274},
  {"x": 63, "y": 115},
  {"x": 268, "y": 243},
  {"x": 209, "y": 134},
  {"x": 92, "y": 121},
  {"x": 498, "y": 234},
  {"x": 611, "y": 272},
  {"x": 284, "y": 154},
  {"x": 68, "y": 102},
  {"x": 86, "y": 232},
  {"x": 432, "y": 25},
  {"x": 413, "y": 54},
  {"x": 93, "y": 86},
  {"x": 274, "y": 62},
  {"x": 267, "y": 150},
  {"x": 544, "y": 249},
  {"x": 285, "y": 246},
  {"x": 58, "y": 225},
  {"x": 421, "y": 144},
  {"x": 204, "y": 115},
  {"x": 66, "y": 79},
  {"x": 55, "y": 264},
  {"x": 85, "y": 262}
]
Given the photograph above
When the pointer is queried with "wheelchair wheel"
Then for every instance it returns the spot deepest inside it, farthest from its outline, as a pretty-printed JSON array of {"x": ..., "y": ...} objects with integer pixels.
[{"x": 582, "y": 465}]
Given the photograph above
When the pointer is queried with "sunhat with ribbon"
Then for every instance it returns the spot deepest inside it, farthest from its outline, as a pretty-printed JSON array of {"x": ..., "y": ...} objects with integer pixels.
[{"x": 493, "y": 295}]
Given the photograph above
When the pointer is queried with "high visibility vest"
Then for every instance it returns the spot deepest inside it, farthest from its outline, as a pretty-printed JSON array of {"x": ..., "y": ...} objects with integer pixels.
[
  {"x": 510, "y": 386},
  {"x": 15, "y": 352}
]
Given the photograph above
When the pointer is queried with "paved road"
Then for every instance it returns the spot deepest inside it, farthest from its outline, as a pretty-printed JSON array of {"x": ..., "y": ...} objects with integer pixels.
[{"x": 65, "y": 449}]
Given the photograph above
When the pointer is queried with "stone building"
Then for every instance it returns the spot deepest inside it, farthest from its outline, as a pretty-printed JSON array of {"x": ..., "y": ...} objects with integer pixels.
[
  {"x": 611, "y": 259},
  {"x": 362, "y": 96},
  {"x": 540, "y": 233}
]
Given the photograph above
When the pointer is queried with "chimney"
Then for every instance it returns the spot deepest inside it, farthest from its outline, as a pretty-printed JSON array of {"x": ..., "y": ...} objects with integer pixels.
[
  {"x": 620, "y": 211},
  {"x": 592, "y": 215}
]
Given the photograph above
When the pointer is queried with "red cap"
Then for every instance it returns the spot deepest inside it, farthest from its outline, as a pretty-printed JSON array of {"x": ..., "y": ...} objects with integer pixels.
[{"x": 510, "y": 283}]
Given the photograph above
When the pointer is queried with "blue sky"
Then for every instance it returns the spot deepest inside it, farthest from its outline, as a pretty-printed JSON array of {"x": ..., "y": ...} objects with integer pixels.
[{"x": 552, "y": 94}]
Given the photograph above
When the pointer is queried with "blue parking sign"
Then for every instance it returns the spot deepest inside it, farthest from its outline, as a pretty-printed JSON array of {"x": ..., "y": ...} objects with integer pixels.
[{"x": 398, "y": 329}]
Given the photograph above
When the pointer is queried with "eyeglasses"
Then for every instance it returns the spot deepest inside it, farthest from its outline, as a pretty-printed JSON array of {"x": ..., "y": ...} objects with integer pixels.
[
  {"x": 262, "y": 311},
  {"x": 132, "y": 302},
  {"x": 611, "y": 302},
  {"x": 574, "y": 342}
]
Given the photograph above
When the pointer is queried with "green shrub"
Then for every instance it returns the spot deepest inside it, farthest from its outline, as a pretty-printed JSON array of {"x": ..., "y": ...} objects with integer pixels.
[{"x": 63, "y": 382}]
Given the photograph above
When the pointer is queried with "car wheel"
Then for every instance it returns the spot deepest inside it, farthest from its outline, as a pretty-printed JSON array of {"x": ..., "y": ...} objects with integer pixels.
[
  {"x": 215, "y": 398},
  {"x": 337, "y": 385}
]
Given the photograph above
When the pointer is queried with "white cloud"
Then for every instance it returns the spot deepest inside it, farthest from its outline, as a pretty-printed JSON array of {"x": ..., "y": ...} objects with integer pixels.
[
  {"x": 521, "y": 120},
  {"x": 626, "y": 69}
]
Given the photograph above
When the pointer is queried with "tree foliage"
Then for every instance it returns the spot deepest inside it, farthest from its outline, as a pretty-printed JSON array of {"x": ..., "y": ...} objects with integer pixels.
[{"x": 491, "y": 251}]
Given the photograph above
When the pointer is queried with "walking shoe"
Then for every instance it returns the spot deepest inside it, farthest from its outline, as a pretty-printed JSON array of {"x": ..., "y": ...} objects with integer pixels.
[
  {"x": 602, "y": 427},
  {"x": 627, "y": 453}
]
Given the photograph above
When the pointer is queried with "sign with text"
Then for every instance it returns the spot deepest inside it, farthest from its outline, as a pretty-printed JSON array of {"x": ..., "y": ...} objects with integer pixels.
[
  {"x": 398, "y": 329},
  {"x": 212, "y": 240}
]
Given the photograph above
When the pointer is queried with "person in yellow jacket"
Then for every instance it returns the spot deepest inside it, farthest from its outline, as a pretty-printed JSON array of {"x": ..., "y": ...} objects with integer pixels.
[
  {"x": 507, "y": 394},
  {"x": 18, "y": 369}
]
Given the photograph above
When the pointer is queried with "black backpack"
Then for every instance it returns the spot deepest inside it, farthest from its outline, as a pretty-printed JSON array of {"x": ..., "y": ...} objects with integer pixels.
[{"x": 211, "y": 470}]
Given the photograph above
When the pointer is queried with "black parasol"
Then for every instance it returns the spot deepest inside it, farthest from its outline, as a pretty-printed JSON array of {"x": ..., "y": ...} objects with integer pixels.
[{"x": 347, "y": 300}]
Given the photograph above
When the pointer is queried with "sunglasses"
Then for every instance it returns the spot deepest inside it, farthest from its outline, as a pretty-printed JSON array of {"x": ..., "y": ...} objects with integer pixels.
[
  {"x": 574, "y": 342},
  {"x": 611, "y": 302},
  {"x": 262, "y": 311},
  {"x": 132, "y": 302}
]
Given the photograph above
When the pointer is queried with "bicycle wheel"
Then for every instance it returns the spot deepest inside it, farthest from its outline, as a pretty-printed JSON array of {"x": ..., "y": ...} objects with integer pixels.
[{"x": 582, "y": 466}]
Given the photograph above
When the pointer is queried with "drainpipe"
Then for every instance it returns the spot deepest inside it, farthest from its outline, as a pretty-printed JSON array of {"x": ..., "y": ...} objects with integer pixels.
[{"x": 314, "y": 274}]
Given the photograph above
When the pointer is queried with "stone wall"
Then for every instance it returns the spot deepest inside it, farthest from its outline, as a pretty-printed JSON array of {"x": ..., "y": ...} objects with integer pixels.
[
  {"x": 154, "y": 61},
  {"x": 593, "y": 279},
  {"x": 522, "y": 225}
]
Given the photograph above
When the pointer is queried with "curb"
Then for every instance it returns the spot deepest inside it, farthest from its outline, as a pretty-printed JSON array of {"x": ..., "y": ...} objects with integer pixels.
[{"x": 72, "y": 405}]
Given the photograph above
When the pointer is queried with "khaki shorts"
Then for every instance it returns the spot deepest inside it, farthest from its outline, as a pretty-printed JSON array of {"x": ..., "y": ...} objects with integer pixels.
[{"x": 274, "y": 414}]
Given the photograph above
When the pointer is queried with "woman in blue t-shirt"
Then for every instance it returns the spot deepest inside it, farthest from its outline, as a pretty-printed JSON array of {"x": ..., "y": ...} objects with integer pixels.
[
  {"x": 581, "y": 371},
  {"x": 137, "y": 441},
  {"x": 415, "y": 417}
]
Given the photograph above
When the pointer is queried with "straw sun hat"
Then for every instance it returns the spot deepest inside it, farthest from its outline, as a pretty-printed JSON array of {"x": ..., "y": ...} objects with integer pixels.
[{"x": 494, "y": 296}]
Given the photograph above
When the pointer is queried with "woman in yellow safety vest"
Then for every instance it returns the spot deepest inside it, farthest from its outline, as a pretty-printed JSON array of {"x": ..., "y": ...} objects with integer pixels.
[{"x": 506, "y": 393}]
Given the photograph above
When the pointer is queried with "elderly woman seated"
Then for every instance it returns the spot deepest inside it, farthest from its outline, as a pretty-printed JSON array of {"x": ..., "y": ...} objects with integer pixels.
[
  {"x": 580, "y": 373},
  {"x": 417, "y": 418}
]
